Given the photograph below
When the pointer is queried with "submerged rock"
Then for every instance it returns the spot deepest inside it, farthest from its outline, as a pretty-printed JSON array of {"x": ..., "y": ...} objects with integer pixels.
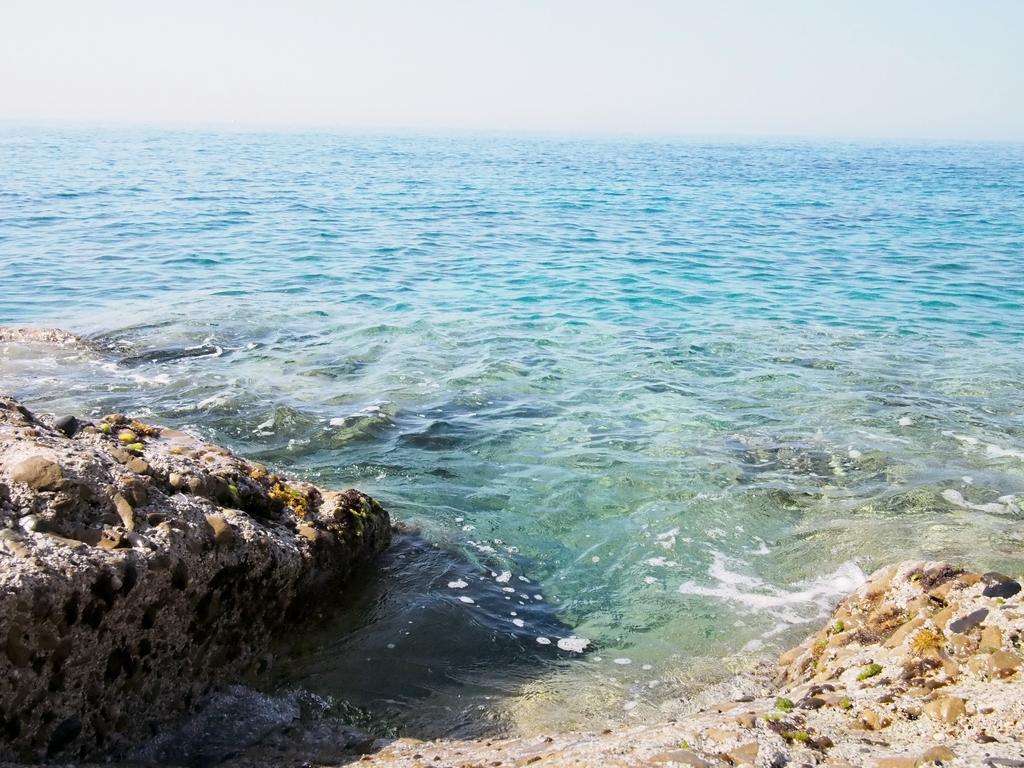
[{"x": 134, "y": 576}]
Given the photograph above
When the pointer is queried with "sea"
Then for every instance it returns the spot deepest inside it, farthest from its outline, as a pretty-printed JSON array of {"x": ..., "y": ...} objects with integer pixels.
[{"x": 645, "y": 409}]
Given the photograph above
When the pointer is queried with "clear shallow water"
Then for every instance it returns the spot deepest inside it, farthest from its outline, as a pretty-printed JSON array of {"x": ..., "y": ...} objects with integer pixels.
[{"x": 694, "y": 391}]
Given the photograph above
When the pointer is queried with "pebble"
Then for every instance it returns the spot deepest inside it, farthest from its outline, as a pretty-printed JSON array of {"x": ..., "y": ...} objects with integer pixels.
[
  {"x": 968, "y": 622},
  {"x": 1002, "y": 663},
  {"x": 124, "y": 511},
  {"x": 69, "y": 425},
  {"x": 947, "y": 709},
  {"x": 998, "y": 585}
]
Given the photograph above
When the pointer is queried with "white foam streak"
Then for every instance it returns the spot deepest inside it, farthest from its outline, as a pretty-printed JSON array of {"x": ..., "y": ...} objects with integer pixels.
[{"x": 806, "y": 601}]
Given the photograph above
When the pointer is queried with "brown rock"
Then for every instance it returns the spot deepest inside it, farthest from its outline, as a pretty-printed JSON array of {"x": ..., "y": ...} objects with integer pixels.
[
  {"x": 719, "y": 735},
  {"x": 962, "y": 644},
  {"x": 38, "y": 473},
  {"x": 941, "y": 592},
  {"x": 901, "y": 632},
  {"x": 947, "y": 709},
  {"x": 873, "y": 721},
  {"x": 683, "y": 757},
  {"x": 120, "y": 454},
  {"x": 936, "y": 755},
  {"x": 175, "y": 480},
  {"x": 745, "y": 754},
  {"x": 136, "y": 491},
  {"x": 790, "y": 656},
  {"x": 991, "y": 637},
  {"x": 941, "y": 619},
  {"x": 124, "y": 511},
  {"x": 746, "y": 720},
  {"x": 11, "y": 542},
  {"x": 223, "y": 533},
  {"x": 138, "y": 466},
  {"x": 110, "y": 539},
  {"x": 1002, "y": 663},
  {"x": 896, "y": 762}
]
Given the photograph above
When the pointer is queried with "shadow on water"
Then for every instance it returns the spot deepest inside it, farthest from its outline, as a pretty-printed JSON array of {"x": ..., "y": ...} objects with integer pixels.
[
  {"x": 430, "y": 642},
  {"x": 427, "y": 645}
]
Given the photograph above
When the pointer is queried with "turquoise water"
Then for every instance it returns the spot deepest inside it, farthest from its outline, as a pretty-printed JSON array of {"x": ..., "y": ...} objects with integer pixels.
[{"x": 694, "y": 391}]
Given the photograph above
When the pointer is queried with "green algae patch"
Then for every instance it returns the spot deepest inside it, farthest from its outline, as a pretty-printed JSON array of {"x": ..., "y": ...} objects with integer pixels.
[
  {"x": 784, "y": 705},
  {"x": 870, "y": 671}
]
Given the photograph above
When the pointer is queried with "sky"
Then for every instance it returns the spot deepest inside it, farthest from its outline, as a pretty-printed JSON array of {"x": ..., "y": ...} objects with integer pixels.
[{"x": 926, "y": 69}]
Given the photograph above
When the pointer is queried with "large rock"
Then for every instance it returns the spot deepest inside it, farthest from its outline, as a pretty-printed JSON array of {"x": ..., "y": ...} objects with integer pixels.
[{"x": 139, "y": 567}]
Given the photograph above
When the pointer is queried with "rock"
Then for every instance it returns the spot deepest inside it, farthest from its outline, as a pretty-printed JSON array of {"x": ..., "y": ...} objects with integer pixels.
[
  {"x": 12, "y": 542},
  {"x": 998, "y": 585},
  {"x": 969, "y": 622},
  {"x": 947, "y": 709},
  {"x": 125, "y": 512},
  {"x": 682, "y": 757},
  {"x": 936, "y": 755},
  {"x": 991, "y": 638},
  {"x": 68, "y": 425},
  {"x": 175, "y": 480},
  {"x": 105, "y": 635},
  {"x": 223, "y": 533},
  {"x": 745, "y": 754},
  {"x": 139, "y": 466},
  {"x": 1002, "y": 664},
  {"x": 38, "y": 473},
  {"x": 874, "y": 721},
  {"x": 896, "y": 762},
  {"x": 746, "y": 720}
]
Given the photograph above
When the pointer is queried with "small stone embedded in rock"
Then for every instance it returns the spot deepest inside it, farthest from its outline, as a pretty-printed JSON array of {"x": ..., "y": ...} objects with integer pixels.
[
  {"x": 682, "y": 757},
  {"x": 947, "y": 709},
  {"x": 223, "y": 533},
  {"x": 124, "y": 511},
  {"x": 39, "y": 474},
  {"x": 138, "y": 466},
  {"x": 969, "y": 622},
  {"x": 936, "y": 755},
  {"x": 1002, "y": 663}
]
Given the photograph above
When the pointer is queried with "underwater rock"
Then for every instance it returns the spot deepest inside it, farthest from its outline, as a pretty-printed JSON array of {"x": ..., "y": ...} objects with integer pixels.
[{"x": 135, "y": 576}]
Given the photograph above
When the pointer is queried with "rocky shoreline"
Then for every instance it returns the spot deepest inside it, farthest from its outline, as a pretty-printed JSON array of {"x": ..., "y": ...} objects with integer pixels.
[
  {"x": 141, "y": 568},
  {"x": 921, "y": 666}
]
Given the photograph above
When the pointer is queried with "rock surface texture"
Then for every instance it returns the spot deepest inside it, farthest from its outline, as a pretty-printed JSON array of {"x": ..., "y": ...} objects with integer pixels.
[
  {"x": 140, "y": 566},
  {"x": 919, "y": 667}
]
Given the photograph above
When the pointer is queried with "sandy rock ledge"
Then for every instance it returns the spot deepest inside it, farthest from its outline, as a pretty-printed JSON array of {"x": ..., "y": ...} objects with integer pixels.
[{"x": 140, "y": 566}]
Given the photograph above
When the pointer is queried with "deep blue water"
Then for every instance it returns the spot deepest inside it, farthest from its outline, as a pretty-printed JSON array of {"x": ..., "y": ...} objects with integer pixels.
[{"x": 695, "y": 390}]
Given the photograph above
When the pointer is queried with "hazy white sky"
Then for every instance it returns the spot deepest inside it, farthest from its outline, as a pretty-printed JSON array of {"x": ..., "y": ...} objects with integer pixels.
[{"x": 894, "y": 68}]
